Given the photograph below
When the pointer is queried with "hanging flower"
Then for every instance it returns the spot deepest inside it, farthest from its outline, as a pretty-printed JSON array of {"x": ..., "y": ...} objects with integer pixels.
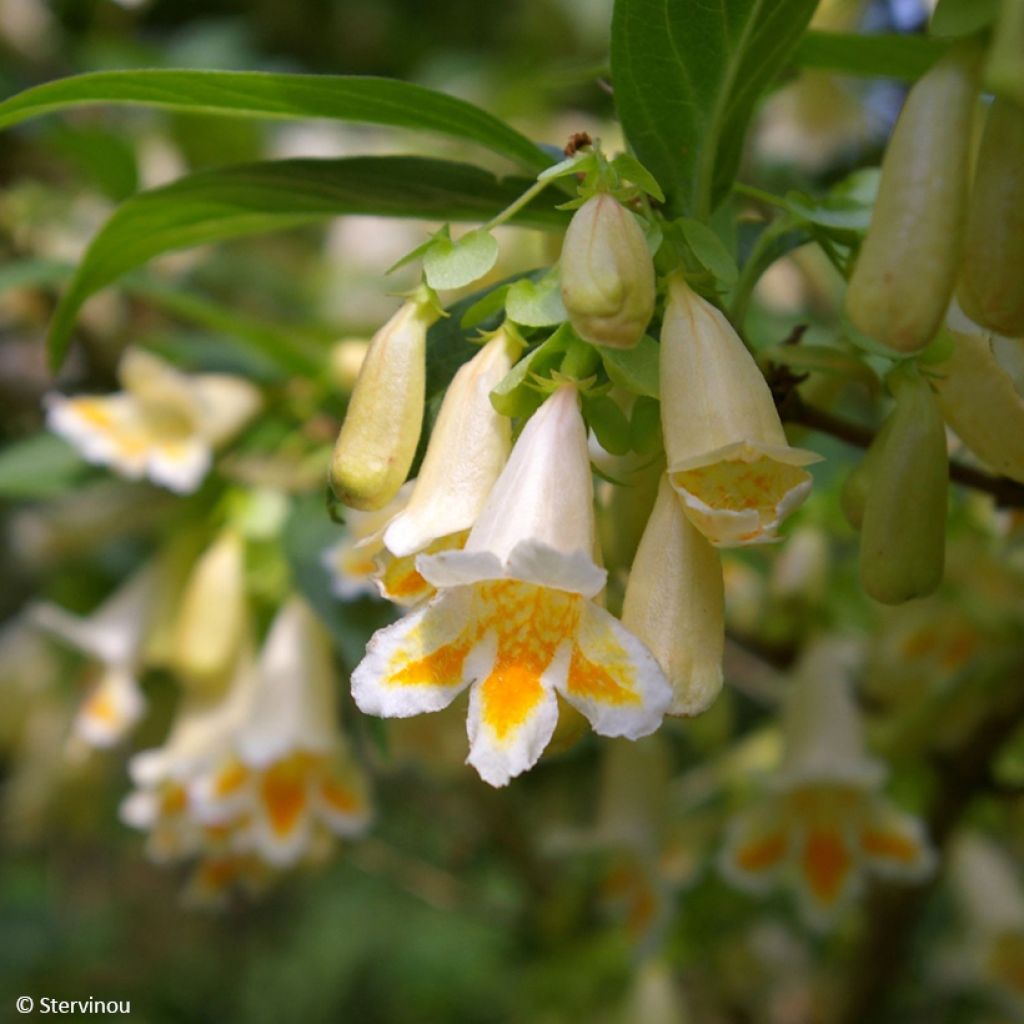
[
  {"x": 112, "y": 637},
  {"x": 377, "y": 441},
  {"x": 825, "y": 824},
  {"x": 468, "y": 448},
  {"x": 675, "y": 603},
  {"x": 514, "y": 619},
  {"x": 261, "y": 775},
  {"x": 728, "y": 457},
  {"x": 164, "y": 425}
]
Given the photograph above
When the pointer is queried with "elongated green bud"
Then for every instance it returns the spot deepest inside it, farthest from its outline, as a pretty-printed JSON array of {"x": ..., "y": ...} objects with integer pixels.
[
  {"x": 905, "y": 272},
  {"x": 903, "y": 535},
  {"x": 607, "y": 274},
  {"x": 378, "y": 439},
  {"x": 853, "y": 495},
  {"x": 991, "y": 289}
]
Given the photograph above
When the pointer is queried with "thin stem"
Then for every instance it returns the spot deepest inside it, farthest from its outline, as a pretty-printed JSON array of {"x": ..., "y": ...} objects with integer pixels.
[
  {"x": 751, "y": 192},
  {"x": 1007, "y": 492},
  {"x": 510, "y": 211}
]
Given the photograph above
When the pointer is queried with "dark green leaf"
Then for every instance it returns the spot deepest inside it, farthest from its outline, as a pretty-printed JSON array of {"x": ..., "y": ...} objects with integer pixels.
[
  {"x": 608, "y": 422},
  {"x": 880, "y": 55},
  {"x": 636, "y": 368},
  {"x": 687, "y": 77},
  {"x": 363, "y": 100},
  {"x": 954, "y": 18},
  {"x": 230, "y": 202}
]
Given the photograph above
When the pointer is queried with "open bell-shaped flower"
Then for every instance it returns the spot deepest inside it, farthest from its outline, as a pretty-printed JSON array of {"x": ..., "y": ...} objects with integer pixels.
[
  {"x": 675, "y": 604},
  {"x": 378, "y": 439},
  {"x": 824, "y": 824},
  {"x": 513, "y": 618},
  {"x": 607, "y": 274},
  {"x": 112, "y": 636},
  {"x": 728, "y": 457},
  {"x": 164, "y": 425}
]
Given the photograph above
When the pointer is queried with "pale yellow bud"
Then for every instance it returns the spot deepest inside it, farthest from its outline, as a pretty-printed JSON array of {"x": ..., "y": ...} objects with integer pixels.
[
  {"x": 211, "y": 619},
  {"x": 727, "y": 453},
  {"x": 905, "y": 272},
  {"x": 979, "y": 400},
  {"x": 607, "y": 274},
  {"x": 378, "y": 439},
  {"x": 675, "y": 604},
  {"x": 991, "y": 287}
]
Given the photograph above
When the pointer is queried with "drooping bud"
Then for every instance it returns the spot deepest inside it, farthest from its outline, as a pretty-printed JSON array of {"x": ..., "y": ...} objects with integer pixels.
[
  {"x": 675, "y": 604},
  {"x": 211, "y": 619},
  {"x": 991, "y": 289},
  {"x": 903, "y": 536},
  {"x": 468, "y": 448},
  {"x": 378, "y": 439},
  {"x": 728, "y": 457},
  {"x": 853, "y": 495},
  {"x": 905, "y": 272},
  {"x": 979, "y": 399},
  {"x": 607, "y": 274}
]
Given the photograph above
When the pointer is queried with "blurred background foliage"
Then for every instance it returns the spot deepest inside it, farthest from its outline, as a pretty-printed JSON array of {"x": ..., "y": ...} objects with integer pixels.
[{"x": 533, "y": 904}]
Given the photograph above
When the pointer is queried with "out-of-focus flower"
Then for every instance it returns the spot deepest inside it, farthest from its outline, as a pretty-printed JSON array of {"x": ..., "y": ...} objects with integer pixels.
[
  {"x": 801, "y": 570},
  {"x": 261, "y": 776},
  {"x": 991, "y": 898},
  {"x": 607, "y": 274},
  {"x": 825, "y": 824},
  {"x": 378, "y": 439},
  {"x": 345, "y": 362},
  {"x": 164, "y": 425},
  {"x": 211, "y": 619},
  {"x": 113, "y": 637},
  {"x": 353, "y": 561},
  {"x": 728, "y": 457},
  {"x": 467, "y": 450},
  {"x": 514, "y": 617},
  {"x": 675, "y": 604}
]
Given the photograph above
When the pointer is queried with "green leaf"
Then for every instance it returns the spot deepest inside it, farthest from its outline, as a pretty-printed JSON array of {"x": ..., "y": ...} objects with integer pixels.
[
  {"x": 230, "y": 202},
  {"x": 954, "y": 18},
  {"x": 513, "y": 396},
  {"x": 636, "y": 368},
  {"x": 710, "y": 251},
  {"x": 609, "y": 423},
  {"x": 827, "y": 360},
  {"x": 687, "y": 77},
  {"x": 491, "y": 304},
  {"x": 632, "y": 170},
  {"x": 363, "y": 100},
  {"x": 645, "y": 426},
  {"x": 40, "y": 466},
  {"x": 878, "y": 55},
  {"x": 449, "y": 264},
  {"x": 536, "y": 303}
]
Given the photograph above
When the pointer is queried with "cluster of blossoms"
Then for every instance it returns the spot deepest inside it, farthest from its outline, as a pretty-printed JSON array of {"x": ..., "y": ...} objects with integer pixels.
[{"x": 492, "y": 552}]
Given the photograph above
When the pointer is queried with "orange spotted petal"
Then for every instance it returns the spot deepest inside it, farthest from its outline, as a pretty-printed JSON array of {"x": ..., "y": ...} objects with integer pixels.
[{"x": 894, "y": 843}]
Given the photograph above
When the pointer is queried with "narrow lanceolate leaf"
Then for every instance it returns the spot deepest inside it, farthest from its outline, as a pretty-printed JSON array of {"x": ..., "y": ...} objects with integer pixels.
[
  {"x": 364, "y": 100},
  {"x": 687, "y": 77},
  {"x": 881, "y": 55},
  {"x": 230, "y": 202}
]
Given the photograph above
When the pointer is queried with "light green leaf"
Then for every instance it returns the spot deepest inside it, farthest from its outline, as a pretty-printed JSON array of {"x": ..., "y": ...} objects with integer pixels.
[
  {"x": 536, "y": 303},
  {"x": 687, "y": 77},
  {"x": 363, "y": 100},
  {"x": 876, "y": 55},
  {"x": 578, "y": 163},
  {"x": 449, "y": 264},
  {"x": 513, "y": 395},
  {"x": 39, "y": 467},
  {"x": 632, "y": 170},
  {"x": 492, "y": 303},
  {"x": 711, "y": 251},
  {"x": 230, "y": 202},
  {"x": 954, "y": 18},
  {"x": 636, "y": 368}
]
